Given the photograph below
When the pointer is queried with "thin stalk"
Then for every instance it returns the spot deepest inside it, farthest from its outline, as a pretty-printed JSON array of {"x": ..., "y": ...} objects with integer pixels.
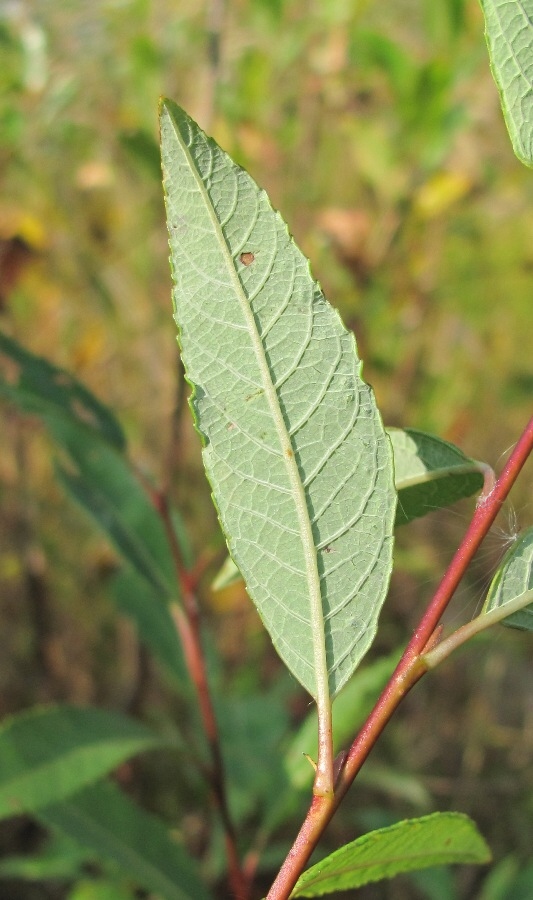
[
  {"x": 442, "y": 651},
  {"x": 409, "y": 670},
  {"x": 187, "y": 622}
]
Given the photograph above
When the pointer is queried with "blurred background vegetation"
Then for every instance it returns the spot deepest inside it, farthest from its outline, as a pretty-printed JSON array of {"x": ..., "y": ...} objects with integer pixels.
[{"x": 377, "y": 131}]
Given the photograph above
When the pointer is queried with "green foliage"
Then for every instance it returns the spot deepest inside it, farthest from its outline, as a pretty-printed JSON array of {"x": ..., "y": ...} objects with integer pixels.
[
  {"x": 102, "y": 482},
  {"x": 430, "y": 473},
  {"x": 294, "y": 448},
  {"x": 113, "y": 828},
  {"x": 351, "y": 705},
  {"x": 509, "y": 32},
  {"x": 100, "y": 890},
  {"x": 48, "y": 754},
  {"x": 513, "y": 579},
  {"x": 38, "y": 387},
  {"x": 354, "y": 114},
  {"x": 508, "y": 881},
  {"x": 135, "y": 598},
  {"x": 433, "y": 840},
  {"x": 60, "y": 858}
]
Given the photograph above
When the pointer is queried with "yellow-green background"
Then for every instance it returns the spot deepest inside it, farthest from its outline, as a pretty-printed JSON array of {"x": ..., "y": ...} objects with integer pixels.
[{"x": 377, "y": 131}]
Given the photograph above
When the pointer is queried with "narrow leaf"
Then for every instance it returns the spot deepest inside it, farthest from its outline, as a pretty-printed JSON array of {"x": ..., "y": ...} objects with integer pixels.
[
  {"x": 48, "y": 753},
  {"x": 227, "y": 575},
  {"x": 513, "y": 579},
  {"x": 102, "y": 819},
  {"x": 61, "y": 858},
  {"x": 430, "y": 473},
  {"x": 38, "y": 387},
  {"x": 509, "y": 34},
  {"x": 294, "y": 447},
  {"x": 101, "y": 481},
  {"x": 435, "y": 840},
  {"x": 137, "y": 599},
  {"x": 253, "y": 728}
]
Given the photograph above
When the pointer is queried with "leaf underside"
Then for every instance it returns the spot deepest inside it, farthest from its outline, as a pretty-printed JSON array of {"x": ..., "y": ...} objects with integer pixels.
[
  {"x": 429, "y": 473},
  {"x": 294, "y": 448},
  {"x": 509, "y": 33},
  {"x": 513, "y": 578}
]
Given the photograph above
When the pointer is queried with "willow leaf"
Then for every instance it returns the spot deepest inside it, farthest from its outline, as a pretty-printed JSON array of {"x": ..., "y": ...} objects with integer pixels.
[
  {"x": 435, "y": 840},
  {"x": 430, "y": 473},
  {"x": 49, "y": 753},
  {"x": 110, "y": 826},
  {"x": 509, "y": 33},
  {"x": 38, "y": 387},
  {"x": 294, "y": 447},
  {"x": 514, "y": 579}
]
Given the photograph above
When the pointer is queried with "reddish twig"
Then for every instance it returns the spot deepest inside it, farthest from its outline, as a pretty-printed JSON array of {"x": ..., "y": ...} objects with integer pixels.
[
  {"x": 408, "y": 671},
  {"x": 187, "y": 621}
]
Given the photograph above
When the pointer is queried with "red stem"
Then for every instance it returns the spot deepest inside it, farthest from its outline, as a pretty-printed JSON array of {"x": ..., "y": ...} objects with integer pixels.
[
  {"x": 408, "y": 671},
  {"x": 187, "y": 621}
]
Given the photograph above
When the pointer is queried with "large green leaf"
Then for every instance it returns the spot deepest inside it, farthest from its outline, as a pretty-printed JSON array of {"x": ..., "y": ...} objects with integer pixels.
[
  {"x": 36, "y": 386},
  {"x": 430, "y": 473},
  {"x": 435, "y": 840},
  {"x": 48, "y": 753},
  {"x": 509, "y": 33},
  {"x": 513, "y": 579},
  {"x": 102, "y": 819},
  {"x": 294, "y": 448}
]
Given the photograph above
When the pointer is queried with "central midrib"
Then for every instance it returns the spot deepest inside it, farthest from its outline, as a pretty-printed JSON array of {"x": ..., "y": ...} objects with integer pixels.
[{"x": 322, "y": 696}]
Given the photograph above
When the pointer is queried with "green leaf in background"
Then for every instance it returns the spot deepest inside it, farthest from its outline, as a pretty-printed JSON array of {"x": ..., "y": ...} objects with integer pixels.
[
  {"x": 252, "y": 728},
  {"x": 101, "y": 818},
  {"x": 227, "y": 575},
  {"x": 38, "y": 387},
  {"x": 61, "y": 859},
  {"x": 135, "y": 598},
  {"x": 99, "y": 889},
  {"x": 430, "y": 473},
  {"x": 509, "y": 33},
  {"x": 48, "y": 753},
  {"x": 507, "y": 881},
  {"x": 142, "y": 147},
  {"x": 102, "y": 482},
  {"x": 294, "y": 447},
  {"x": 514, "y": 578},
  {"x": 435, "y": 840}
]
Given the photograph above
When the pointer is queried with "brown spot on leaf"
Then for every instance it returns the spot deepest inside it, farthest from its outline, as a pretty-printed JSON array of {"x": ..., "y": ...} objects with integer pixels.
[{"x": 247, "y": 258}]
